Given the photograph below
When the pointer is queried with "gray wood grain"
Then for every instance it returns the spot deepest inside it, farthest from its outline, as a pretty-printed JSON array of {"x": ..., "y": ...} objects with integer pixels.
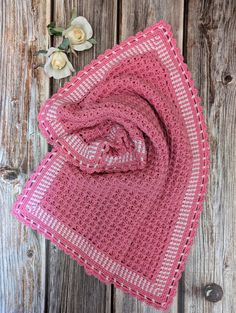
[
  {"x": 22, "y": 251},
  {"x": 134, "y": 16},
  {"x": 35, "y": 277},
  {"x": 70, "y": 289},
  {"x": 210, "y": 53}
]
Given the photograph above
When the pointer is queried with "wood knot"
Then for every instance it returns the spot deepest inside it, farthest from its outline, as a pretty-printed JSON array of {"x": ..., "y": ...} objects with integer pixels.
[
  {"x": 15, "y": 101},
  {"x": 8, "y": 174},
  {"x": 227, "y": 79},
  {"x": 213, "y": 292},
  {"x": 30, "y": 253}
]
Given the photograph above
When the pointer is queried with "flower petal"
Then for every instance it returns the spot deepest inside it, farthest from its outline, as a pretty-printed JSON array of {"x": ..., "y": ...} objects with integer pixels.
[
  {"x": 51, "y": 50},
  {"x": 70, "y": 66},
  {"x": 68, "y": 63},
  {"x": 83, "y": 23},
  {"x": 48, "y": 68},
  {"x": 84, "y": 46},
  {"x": 65, "y": 32},
  {"x": 58, "y": 74}
]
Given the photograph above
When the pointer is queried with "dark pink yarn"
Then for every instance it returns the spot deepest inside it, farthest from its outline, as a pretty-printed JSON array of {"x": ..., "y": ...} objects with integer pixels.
[{"x": 122, "y": 190}]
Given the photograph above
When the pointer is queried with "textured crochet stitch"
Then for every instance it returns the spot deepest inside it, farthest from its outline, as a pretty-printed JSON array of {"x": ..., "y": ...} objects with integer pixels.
[{"x": 122, "y": 190}]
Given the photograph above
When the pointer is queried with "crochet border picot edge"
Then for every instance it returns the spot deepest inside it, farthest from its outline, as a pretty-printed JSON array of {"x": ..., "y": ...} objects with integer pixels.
[{"x": 91, "y": 269}]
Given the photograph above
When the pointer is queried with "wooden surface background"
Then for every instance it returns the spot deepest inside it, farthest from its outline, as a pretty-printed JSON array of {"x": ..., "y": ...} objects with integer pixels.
[{"x": 34, "y": 276}]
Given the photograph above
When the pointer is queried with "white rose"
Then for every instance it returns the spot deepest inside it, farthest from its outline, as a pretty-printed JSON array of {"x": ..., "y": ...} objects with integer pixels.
[
  {"x": 79, "y": 33},
  {"x": 57, "y": 65}
]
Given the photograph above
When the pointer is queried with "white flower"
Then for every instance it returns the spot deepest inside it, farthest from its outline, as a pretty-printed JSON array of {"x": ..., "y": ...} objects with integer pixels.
[
  {"x": 57, "y": 65},
  {"x": 78, "y": 34}
]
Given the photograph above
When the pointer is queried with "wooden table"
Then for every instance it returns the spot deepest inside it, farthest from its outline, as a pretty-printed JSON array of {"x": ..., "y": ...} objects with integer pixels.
[{"x": 34, "y": 275}]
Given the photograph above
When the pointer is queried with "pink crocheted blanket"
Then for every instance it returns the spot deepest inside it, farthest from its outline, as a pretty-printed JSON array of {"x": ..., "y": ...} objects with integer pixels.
[{"x": 122, "y": 190}]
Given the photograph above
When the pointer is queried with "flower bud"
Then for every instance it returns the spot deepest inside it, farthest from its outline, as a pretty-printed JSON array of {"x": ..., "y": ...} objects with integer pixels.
[
  {"x": 58, "y": 60},
  {"x": 76, "y": 35}
]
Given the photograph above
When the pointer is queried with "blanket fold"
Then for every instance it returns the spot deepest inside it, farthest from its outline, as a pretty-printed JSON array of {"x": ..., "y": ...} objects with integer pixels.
[{"x": 122, "y": 190}]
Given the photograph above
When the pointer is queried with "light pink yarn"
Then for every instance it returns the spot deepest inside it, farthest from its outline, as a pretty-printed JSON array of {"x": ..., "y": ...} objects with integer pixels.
[{"x": 122, "y": 190}]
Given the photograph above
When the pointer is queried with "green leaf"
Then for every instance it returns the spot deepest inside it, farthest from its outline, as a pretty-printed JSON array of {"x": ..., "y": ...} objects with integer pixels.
[
  {"x": 53, "y": 30},
  {"x": 65, "y": 44},
  {"x": 41, "y": 51},
  {"x": 57, "y": 31},
  {"x": 93, "y": 41},
  {"x": 51, "y": 25}
]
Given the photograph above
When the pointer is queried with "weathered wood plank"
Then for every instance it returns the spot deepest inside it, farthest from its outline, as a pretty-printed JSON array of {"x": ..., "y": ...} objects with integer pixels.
[
  {"x": 70, "y": 289},
  {"x": 134, "y": 16},
  {"x": 25, "y": 261},
  {"x": 210, "y": 53},
  {"x": 125, "y": 303},
  {"x": 22, "y": 251}
]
